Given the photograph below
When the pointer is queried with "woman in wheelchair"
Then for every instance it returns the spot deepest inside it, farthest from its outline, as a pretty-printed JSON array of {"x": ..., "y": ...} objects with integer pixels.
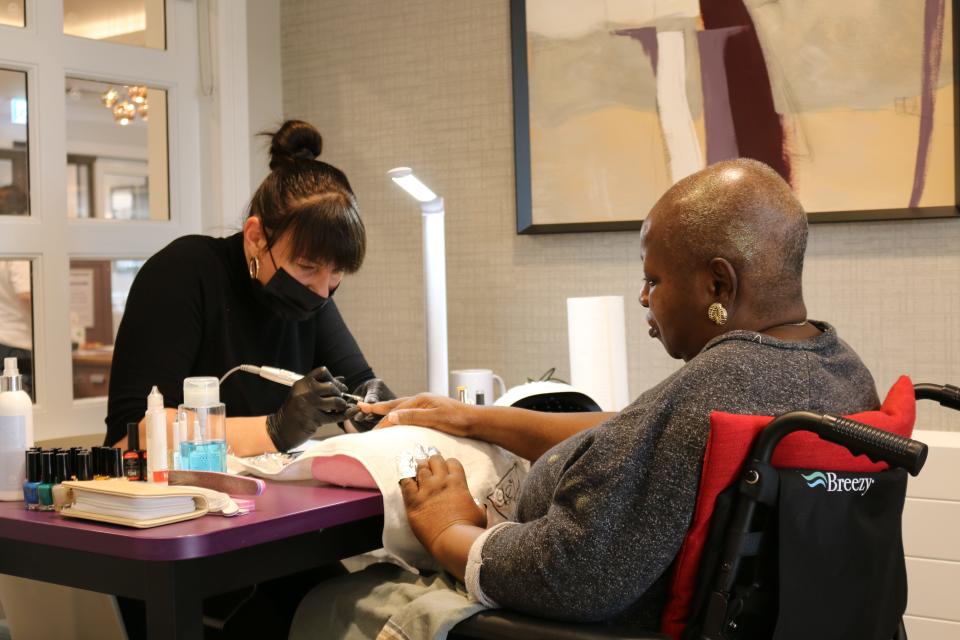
[{"x": 609, "y": 497}]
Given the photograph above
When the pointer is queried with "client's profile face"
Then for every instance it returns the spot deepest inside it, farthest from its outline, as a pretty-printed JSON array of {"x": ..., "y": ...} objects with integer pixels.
[{"x": 671, "y": 296}]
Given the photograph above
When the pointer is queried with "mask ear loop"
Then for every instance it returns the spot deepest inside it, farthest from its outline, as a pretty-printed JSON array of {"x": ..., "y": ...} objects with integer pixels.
[
  {"x": 270, "y": 253},
  {"x": 269, "y": 248}
]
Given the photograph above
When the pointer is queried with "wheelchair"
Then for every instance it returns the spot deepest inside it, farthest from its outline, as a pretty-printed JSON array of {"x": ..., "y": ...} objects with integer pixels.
[{"x": 790, "y": 553}]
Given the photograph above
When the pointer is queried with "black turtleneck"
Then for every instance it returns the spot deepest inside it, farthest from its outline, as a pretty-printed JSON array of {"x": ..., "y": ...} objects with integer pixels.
[{"x": 192, "y": 312}]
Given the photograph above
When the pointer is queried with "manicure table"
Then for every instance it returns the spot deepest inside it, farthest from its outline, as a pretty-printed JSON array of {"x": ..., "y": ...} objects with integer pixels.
[{"x": 296, "y": 526}]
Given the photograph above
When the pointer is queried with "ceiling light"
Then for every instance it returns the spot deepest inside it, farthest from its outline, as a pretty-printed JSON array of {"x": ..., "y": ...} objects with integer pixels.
[
  {"x": 124, "y": 112},
  {"x": 127, "y": 108},
  {"x": 110, "y": 98}
]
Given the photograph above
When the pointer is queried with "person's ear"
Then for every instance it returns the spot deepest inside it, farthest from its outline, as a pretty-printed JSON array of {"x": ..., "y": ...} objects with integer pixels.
[
  {"x": 253, "y": 237},
  {"x": 723, "y": 281}
]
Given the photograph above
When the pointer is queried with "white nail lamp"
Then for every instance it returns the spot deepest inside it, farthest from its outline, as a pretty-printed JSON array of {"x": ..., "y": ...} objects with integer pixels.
[{"x": 434, "y": 277}]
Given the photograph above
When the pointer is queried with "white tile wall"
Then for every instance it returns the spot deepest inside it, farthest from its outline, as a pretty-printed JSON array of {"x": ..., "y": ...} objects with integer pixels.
[{"x": 931, "y": 522}]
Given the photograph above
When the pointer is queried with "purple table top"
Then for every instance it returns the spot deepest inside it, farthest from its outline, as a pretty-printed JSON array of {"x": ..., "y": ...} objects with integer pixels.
[{"x": 283, "y": 510}]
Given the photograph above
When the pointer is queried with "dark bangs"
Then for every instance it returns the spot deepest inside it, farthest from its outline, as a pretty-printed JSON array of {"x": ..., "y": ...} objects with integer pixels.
[{"x": 326, "y": 228}]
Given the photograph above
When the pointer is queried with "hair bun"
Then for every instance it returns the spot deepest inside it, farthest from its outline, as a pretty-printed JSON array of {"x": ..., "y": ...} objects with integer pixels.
[{"x": 295, "y": 140}]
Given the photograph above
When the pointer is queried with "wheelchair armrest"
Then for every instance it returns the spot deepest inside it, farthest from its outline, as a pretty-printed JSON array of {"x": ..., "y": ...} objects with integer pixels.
[{"x": 500, "y": 624}]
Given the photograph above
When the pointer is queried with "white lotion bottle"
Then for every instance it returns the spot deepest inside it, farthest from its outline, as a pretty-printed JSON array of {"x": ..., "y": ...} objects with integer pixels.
[
  {"x": 16, "y": 431},
  {"x": 156, "y": 437}
]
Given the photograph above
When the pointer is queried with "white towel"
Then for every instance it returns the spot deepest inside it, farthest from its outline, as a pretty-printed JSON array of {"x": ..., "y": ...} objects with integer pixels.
[{"x": 494, "y": 476}]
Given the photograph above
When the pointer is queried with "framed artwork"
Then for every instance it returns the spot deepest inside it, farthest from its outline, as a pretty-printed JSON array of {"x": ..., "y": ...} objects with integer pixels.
[{"x": 615, "y": 100}]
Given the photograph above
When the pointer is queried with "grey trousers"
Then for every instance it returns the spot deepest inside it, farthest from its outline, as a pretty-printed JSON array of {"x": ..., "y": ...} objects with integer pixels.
[{"x": 383, "y": 601}]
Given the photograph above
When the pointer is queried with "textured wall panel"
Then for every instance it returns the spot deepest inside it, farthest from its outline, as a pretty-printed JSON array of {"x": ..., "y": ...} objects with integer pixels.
[{"x": 427, "y": 83}]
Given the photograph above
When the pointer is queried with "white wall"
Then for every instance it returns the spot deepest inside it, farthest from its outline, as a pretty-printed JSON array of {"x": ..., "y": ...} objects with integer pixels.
[
  {"x": 264, "y": 81},
  {"x": 224, "y": 110}
]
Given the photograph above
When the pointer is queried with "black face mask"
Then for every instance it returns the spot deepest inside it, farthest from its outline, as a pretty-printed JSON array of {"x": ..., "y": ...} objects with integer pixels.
[
  {"x": 291, "y": 299},
  {"x": 288, "y": 297}
]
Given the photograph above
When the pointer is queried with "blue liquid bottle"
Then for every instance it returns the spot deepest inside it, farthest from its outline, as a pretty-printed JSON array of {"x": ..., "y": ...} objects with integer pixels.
[
  {"x": 204, "y": 447},
  {"x": 204, "y": 456}
]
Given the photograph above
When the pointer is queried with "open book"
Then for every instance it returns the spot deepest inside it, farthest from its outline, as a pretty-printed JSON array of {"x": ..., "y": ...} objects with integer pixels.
[{"x": 133, "y": 504}]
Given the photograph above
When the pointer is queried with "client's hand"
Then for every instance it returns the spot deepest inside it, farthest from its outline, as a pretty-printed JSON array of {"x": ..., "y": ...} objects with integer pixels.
[
  {"x": 314, "y": 400},
  {"x": 372, "y": 391},
  {"x": 424, "y": 410},
  {"x": 438, "y": 498}
]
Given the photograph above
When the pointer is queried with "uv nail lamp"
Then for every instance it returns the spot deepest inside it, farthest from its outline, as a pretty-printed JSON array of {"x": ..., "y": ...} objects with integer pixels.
[{"x": 552, "y": 397}]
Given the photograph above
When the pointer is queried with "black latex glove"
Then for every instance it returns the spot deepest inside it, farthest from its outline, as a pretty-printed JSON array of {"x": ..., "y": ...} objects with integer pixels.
[
  {"x": 314, "y": 400},
  {"x": 373, "y": 390}
]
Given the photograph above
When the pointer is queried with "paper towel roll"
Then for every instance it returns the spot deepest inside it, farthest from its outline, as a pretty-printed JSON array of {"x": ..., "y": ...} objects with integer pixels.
[{"x": 598, "y": 349}]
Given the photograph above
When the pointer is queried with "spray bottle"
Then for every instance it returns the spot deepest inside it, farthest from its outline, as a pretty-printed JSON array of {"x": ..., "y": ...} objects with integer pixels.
[
  {"x": 156, "y": 437},
  {"x": 16, "y": 431}
]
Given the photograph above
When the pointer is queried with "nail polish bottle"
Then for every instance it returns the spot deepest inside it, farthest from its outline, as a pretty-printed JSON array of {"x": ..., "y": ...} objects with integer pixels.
[
  {"x": 61, "y": 467},
  {"x": 133, "y": 457},
  {"x": 74, "y": 456},
  {"x": 84, "y": 468},
  {"x": 46, "y": 481},
  {"x": 114, "y": 463},
  {"x": 99, "y": 456},
  {"x": 61, "y": 472},
  {"x": 31, "y": 493}
]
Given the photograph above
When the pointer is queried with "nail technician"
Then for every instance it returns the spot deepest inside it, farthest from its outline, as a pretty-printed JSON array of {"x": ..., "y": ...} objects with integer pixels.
[{"x": 263, "y": 296}]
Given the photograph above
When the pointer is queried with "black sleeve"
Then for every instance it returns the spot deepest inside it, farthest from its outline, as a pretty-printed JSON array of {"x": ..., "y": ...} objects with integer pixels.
[
  {"x": 158, "y": 339},
  {"x": 337, "y": 349}
]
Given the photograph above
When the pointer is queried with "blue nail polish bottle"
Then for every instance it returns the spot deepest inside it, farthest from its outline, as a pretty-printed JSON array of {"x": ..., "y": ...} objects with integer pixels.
[
  {"x": 47, "y": 480},
  {"x": 31, "y": 488}
]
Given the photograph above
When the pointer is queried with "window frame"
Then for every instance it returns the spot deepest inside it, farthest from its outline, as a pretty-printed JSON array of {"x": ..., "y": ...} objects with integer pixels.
[{"x": 48, "y": 237}]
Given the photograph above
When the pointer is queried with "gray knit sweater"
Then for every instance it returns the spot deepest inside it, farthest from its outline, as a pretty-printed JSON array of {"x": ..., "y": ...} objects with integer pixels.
[{"x": 605, "y": 511}]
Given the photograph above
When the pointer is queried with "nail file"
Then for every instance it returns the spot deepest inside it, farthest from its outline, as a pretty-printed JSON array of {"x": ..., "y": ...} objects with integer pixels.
[
  {"x": 224, "y": 482},
  {"x": 246, "y": 504}
]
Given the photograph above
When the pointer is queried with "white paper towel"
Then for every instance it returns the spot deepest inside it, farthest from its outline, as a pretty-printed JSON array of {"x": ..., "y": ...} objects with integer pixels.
[{"x": 598, "y": 349}]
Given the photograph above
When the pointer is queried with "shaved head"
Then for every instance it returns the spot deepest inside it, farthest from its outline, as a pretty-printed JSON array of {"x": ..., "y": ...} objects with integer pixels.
[{"x": 743, "y": 211}]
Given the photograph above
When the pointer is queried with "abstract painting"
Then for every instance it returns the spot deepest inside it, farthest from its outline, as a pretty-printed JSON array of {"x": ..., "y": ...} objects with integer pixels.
[{"x": 614, "y": 100}]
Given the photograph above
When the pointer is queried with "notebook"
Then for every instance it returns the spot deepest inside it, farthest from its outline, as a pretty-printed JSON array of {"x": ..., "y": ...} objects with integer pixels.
[{"x": 133, "y": 504}]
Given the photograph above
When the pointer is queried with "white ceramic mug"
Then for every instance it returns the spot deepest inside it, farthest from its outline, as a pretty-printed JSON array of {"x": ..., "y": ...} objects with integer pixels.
[{"x": 476, "y": 381}]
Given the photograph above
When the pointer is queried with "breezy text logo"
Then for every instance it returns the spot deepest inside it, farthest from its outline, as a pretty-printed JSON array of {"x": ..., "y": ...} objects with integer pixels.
[{"x": 832, "y": 483}]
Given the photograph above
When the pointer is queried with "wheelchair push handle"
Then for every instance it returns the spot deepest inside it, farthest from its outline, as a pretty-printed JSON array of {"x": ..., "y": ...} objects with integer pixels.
[
  {"x": 946, "y": 394},
  {"x": 858, "y": 438},
  {"x": 876, "y": 444}
]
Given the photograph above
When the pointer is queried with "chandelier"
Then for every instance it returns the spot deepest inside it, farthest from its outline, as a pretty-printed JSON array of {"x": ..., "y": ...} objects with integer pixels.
[{"x": 127, "y": 108}]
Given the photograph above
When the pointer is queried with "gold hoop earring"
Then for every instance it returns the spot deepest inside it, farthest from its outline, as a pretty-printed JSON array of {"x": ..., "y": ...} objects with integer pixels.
[
  {"x": 254, "y": 267},
  {"x": 717, "y": 314}
]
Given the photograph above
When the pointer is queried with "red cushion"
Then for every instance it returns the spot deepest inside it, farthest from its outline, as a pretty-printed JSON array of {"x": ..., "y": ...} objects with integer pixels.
[{"x": 728, "y": 445}]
